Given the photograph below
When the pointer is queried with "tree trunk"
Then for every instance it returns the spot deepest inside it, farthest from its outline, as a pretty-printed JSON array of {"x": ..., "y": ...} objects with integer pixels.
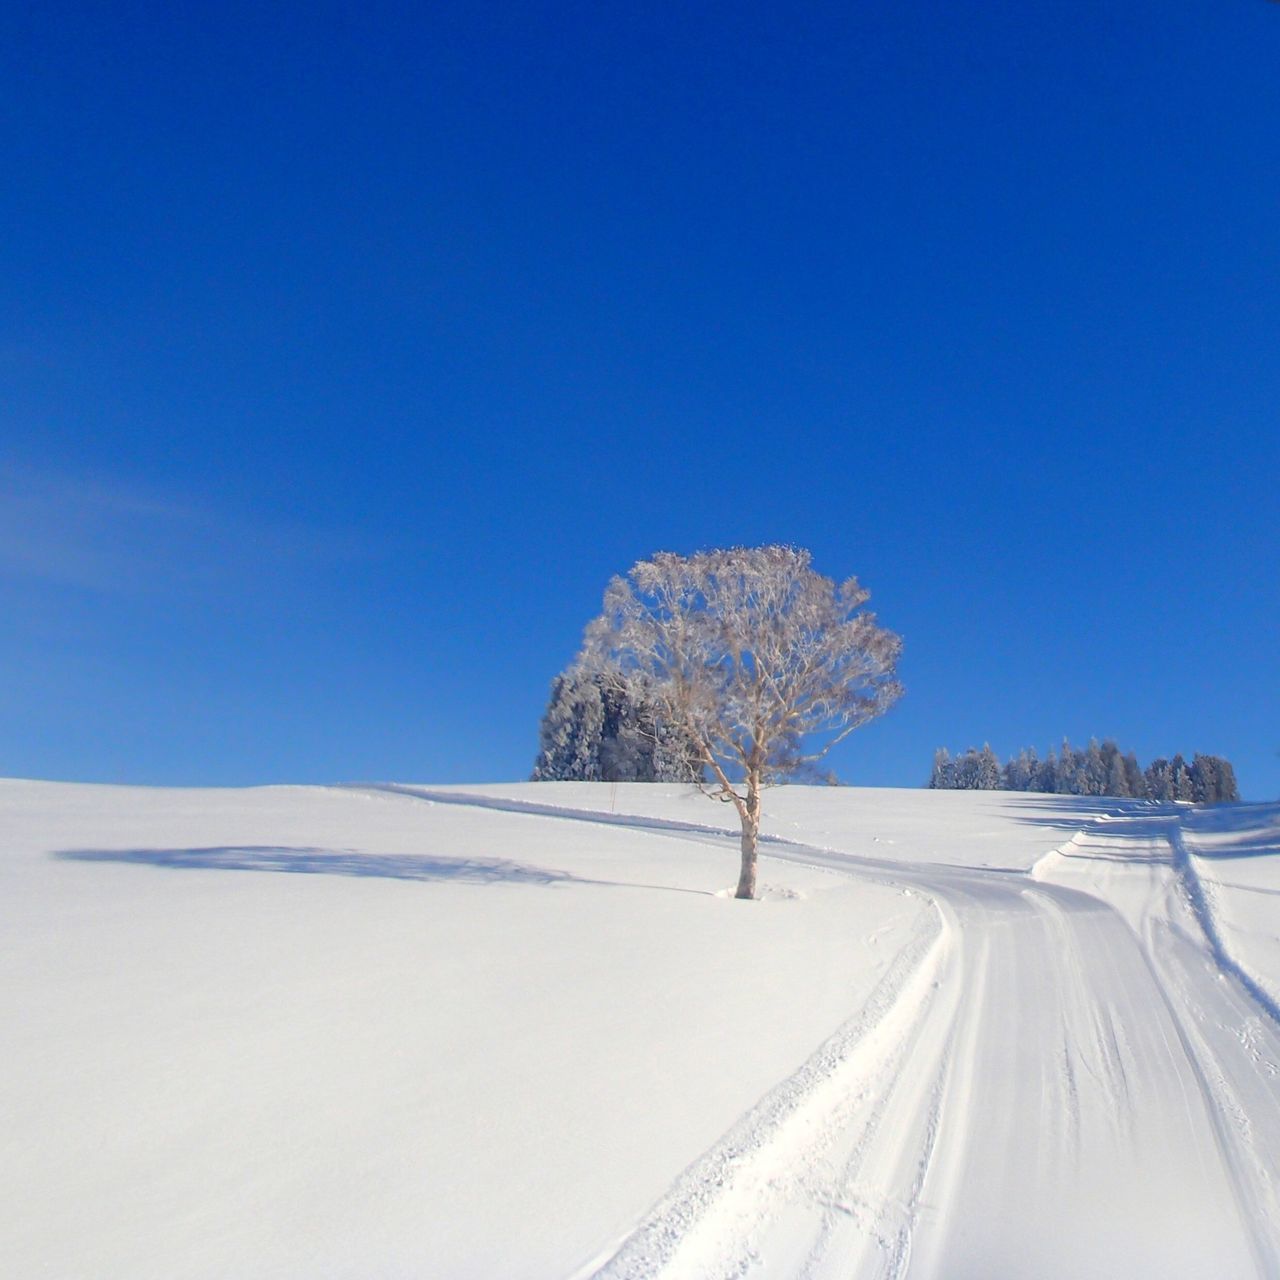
[{"x": 750, "y": 815}]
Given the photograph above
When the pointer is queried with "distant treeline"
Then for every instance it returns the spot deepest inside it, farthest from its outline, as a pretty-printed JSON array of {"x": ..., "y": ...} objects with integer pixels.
[{"x": 1097, "y": 770}]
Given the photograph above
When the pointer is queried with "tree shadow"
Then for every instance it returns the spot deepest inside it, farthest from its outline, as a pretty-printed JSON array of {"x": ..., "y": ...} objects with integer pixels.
[
  {"x": 310, "y": 860},
  {"x": 1238, "y": 831},
  {"x": 1248, "y": 844},
  {"x": 1234, "y": 831},
  {"x": 1080, "y": 806},
  {"x": 1075, "y": 813}
]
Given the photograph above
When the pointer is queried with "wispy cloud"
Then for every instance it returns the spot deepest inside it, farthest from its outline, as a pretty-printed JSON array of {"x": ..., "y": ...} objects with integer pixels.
[{"x": 107, "y": 535}]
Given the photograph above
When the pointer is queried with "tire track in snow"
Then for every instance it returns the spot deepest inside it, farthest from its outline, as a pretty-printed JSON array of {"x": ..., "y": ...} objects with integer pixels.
[
  {"x": 1251, "y": 1164},
  {"x": 778, "y": 1155},
  {"x": 1198, "y": 900},
  {"x": 1213, "y": 1006},
  {"x": 874, "y": 1234},
  {"x": 1066, "y": 985}
]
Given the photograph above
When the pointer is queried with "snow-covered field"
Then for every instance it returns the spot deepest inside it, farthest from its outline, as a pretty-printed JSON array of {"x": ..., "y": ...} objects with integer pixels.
[{"x": 522, "y": 1030}]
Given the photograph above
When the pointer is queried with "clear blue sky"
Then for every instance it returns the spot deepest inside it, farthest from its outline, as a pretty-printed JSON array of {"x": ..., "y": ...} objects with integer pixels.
[{"x": 346, "y": 351}]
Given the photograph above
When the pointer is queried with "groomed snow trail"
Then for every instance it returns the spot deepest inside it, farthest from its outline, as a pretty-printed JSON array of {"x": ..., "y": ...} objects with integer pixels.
[{"x": 1063, "y": 1078}]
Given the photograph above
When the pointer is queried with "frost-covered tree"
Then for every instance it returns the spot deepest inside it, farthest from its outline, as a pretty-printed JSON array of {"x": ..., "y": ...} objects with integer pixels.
[
  {"x": 943, "y": 768},
  {"x": 1117, "y": 779},
  {"x": 1183, "y": 788},
  {"x": 1204, "y": 779},
  {"x": 964, "y": 775},
  {"x": 988, "y": 769},
  {"x": 1095, "y": 770},
  {"x": 975, "y": 770},
  {"x": 609, "y": 730},
  {"x": 1228, "y": 788},
  {"x": 763, "y": 663},
  {"x": 641, "y": 743},
  {"x": 1213, "y": 780},
  {"x": 1046, "y": 778},
  {"x": 1135, "y": 783},
  {"x": 1159, "y": 779},
  {"x": 1071, "y": 779},
  {"x": 1020, "y": 773},
  {"x": 572, "y": 729}
]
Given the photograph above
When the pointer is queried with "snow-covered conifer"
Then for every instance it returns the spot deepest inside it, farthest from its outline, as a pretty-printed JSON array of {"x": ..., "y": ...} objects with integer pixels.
[
  {"x": 1094, "y": 770},
  {"x": 1046, "y": 778},
  {"x": 1228, "y": 789},
  {"x": 1159, "y": 781},
  {"x": 1180, "y": 771},
  {"x": 571, "y": 731},
  {"x": 988, "y": 769},
  {"x": 608, "y": 728},
  {"x": 1117, "y": 779},
  {"x": 965, "y": 772},
  {"x": 1134, "y": 781}
]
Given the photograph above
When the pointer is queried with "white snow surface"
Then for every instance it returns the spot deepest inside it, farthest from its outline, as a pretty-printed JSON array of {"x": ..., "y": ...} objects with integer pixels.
[{"x": 523, "y": 1030}]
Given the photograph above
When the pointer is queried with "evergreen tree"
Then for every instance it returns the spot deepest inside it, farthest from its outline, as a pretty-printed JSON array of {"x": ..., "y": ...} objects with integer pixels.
[
  {"x": 1204, "y": 779},
  {"x": 626, "y": 751},
  {"x": 942, "y": 779},
  {"x": 1073, "y": 776},
  {"x": 1020, "y": 771},
  {"x": 1213, "y": 780},
  {"x": 1064, "y": 782},
  {"x": 571, "y": 732},
  {"x": 1033, "y": 768},
  {"x": 987, "y": 771},
  {"x": 1228, "y": 789},
  {"x": 1135, "y": 783},
  {"x": 1181, "y": 779},
  {"x": 965, "y": 773},
  {"x": 1159, "y": 781},
  {"x": 1046, "y": 779},
  {"x": 601, "y": 728},
  {"x": 1094, "y": 769},
  {"x": 1117, "y": 779},
  {"x": 1117, "y": 782}
]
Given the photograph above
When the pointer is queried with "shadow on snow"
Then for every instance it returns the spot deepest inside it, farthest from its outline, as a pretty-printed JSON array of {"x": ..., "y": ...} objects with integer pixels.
[{"x": 309, "y": 860}]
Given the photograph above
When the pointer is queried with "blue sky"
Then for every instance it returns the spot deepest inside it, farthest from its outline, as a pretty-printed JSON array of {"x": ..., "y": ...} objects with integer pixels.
[{"x": 346, "y": 351}]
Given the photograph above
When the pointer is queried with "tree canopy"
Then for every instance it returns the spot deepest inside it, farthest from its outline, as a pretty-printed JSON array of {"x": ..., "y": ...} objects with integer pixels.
[{"x": 762, "y": 663}]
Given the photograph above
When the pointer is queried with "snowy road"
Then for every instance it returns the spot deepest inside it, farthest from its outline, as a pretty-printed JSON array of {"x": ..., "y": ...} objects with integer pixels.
[
  {"x": 1077, "y": 1128},
  {"x": 1060, "y": 1080}
]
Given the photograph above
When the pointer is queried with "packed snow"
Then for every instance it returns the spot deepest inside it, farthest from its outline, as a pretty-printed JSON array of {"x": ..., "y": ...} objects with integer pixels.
[{"x": 524, "y": 1030}]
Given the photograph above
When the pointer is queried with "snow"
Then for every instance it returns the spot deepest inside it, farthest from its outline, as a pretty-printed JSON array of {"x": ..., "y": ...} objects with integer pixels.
[
  {"x": 522, "y": 1030},
  {"x": 1233, "y": 852}
]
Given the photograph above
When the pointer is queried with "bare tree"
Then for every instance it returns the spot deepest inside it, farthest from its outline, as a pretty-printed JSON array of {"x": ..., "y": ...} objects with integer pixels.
[{"x": 761, "y": 662}]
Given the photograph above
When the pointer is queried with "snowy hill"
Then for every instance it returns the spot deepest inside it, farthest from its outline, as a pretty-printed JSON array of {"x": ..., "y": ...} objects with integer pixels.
[{"x": 523, "y": 1031}]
